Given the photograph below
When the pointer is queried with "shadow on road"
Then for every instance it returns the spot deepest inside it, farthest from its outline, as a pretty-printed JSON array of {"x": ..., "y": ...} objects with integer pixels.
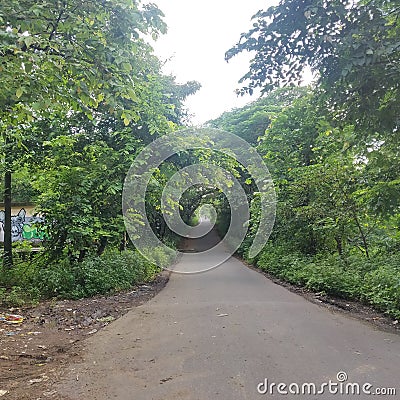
[{"x": 204, "y": 243}]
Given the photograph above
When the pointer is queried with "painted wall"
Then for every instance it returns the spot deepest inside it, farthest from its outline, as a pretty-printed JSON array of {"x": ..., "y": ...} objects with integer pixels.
[{"x": 22, "y": 225}]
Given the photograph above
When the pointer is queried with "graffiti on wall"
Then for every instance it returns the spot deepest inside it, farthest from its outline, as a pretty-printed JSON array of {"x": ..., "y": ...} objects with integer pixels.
[{"x": 22, "y": 227}]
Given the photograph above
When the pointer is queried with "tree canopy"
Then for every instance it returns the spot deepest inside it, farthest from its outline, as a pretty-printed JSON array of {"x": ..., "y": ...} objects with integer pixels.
[
  {"x": 338, "y": 212},
  {"x": 347, "y": 44},
  {"x": 82, "y": 92},
  {"x": 76, "y": 54}
]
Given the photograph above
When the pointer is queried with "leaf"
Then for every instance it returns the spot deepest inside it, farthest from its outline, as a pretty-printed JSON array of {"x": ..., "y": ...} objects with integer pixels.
[
  {"x": 19, "y": 92},
  {"x": 28, "y": 40},
  {"x": 28, "y": 67},
  {"x": 126, "y": 67}
]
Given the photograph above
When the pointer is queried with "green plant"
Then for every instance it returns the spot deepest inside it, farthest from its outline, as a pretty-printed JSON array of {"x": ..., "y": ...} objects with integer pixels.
[
  {"x": 375, "y": 281},
  {"x": 18, "y": 296},
  {"x": 381, "y": 288},
  {"x": 113, "y": 271},
  {"x": 29, "y": 282}
]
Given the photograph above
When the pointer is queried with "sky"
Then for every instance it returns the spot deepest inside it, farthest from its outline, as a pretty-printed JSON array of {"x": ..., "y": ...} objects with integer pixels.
[{"x": 199, "y": 34}]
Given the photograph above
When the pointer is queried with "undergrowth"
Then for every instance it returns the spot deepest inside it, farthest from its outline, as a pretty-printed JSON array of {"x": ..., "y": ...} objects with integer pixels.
[
  {"x": 28, "y": 282},
  {"x": 375, "y": 281}
]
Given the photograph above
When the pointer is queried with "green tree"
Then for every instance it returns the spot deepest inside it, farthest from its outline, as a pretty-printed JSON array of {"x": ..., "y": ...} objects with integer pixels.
[
  {"x": 78, "y": 167},
  {"x": 72, "y": 55},
  {"x": 251, "y": 121},
  {"x": 352, "y": 47}
]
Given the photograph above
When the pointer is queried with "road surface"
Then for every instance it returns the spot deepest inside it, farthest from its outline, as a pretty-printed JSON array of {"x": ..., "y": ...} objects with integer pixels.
[{"x": 221, "y": 334}]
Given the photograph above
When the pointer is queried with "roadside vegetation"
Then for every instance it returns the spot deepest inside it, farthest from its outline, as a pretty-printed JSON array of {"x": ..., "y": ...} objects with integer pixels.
[
  {"x": 332, "y": 149},
  {"x": 337, "y": 222},
  {"x": 81, "y": 94}
]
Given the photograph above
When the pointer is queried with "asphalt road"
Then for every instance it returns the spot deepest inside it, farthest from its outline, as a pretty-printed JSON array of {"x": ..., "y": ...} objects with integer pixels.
[{"x": 219, "y": 334}]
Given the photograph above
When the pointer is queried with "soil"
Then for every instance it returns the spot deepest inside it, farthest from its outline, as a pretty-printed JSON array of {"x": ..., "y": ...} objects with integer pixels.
[{"x": 34, "y": 353}]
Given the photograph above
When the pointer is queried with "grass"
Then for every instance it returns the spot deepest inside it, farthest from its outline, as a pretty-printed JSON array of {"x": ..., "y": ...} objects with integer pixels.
[
  {"x": 29, "y": 282},
  {"x": 375, "y": 281}
]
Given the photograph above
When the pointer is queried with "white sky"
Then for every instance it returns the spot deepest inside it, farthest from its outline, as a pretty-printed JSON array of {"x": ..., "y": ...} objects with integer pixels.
[{"x": 199, "y": 34}]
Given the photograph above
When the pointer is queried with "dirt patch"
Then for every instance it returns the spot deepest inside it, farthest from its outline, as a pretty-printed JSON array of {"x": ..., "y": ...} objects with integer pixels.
[
  {"x": 354, "y": 309},
  {"x": 33, "y": 353}
]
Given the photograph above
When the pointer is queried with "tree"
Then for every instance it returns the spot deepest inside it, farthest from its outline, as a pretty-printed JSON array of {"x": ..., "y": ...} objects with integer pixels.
[
  {"x": 324, "y": 185},
  {"x": 73, "y": 56},
  {"x": 175, "y": 94},
  {"x": 79, "y": 180},
  {"x": 251, "y": 121},
  {"x": 78, "y": 167},
  {"x": 353, "y": 48}
]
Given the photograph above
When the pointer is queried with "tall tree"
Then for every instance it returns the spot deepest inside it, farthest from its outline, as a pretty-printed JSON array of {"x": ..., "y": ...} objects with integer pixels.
[
  {"x": 73, "y": 55},
  {"x": 352, "y": 46},
  {"x": 251, "y": 121}
]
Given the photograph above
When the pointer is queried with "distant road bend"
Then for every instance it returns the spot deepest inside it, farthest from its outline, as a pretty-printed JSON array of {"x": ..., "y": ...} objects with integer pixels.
[{"x": 220, "y": 334}]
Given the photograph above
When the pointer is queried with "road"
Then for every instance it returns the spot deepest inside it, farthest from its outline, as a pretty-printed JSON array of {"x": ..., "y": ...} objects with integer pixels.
[{"x": 219, "y": 334}]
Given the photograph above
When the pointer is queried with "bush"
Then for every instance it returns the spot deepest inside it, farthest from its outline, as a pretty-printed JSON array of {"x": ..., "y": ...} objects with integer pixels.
[
  {"x": 333, "y": 280},
  {"x": 104, "y": 274},
  {"x": 381, "y": 288},
  {"x": 18, "y": 296},
  {"x": 111, "y": 272},
  {"x": 283, "y": 263},
  {"x": 376, "y": 281}
]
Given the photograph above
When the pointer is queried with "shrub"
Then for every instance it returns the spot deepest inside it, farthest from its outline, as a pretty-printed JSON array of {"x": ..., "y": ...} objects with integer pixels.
[
  {"x": 111, "y": 272},
  {"x": 30, "y": 281},
  {"x": 376, "y": 280},
  {"x": 18, "y": 297},
  {"x": 381, "y": 288}
]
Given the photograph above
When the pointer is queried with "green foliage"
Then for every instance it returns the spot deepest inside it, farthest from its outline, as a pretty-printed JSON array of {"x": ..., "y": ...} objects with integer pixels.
[
  {"x": 337, "y": 218},
  {"x": 18, "y": 296},
  {"x": 82, "y": 93},
  {"x": 95, "y": 275},
  {"x": 376, "y": 281},
  {"x": 80, "y": 186},
  {"x": 23, "y": 190},
  {"x": 251, "y": 121},
  {"x": 353, "y": 47},
  {"x": 58, "y": 54},
  {"x": 381, "y": 286},
  {"x": 113, "y": 271},
  {"x": 17, "y": 287}
]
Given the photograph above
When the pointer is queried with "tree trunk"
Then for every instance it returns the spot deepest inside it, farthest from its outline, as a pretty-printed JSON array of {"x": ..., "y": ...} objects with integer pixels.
[
  {"x": 362, "y": 234},
  {"x": 339, "y": 245},
  {"x": 123, "y": 244},
  {"x": 7, "y": 257},
  {"x": 102, "y": 245}
]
